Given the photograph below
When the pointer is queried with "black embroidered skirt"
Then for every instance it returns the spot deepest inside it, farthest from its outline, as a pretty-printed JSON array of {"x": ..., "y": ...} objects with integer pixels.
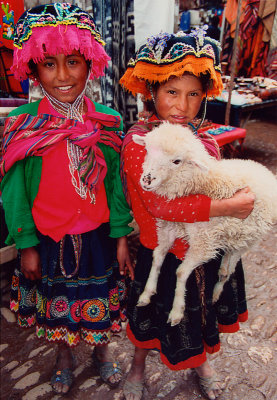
[
  {"x": 70, "y": 304},
  {"x": 184, "y": 345}
]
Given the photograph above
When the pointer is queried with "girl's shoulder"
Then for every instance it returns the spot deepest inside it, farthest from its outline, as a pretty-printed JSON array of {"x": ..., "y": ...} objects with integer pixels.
[{"x": 30, "y": 108}]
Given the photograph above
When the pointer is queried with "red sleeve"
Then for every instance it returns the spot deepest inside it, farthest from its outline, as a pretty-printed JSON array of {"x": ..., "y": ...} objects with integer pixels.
[{"x": 191, "y": 208}]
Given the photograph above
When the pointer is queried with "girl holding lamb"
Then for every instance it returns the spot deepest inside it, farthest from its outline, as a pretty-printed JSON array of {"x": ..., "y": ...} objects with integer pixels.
[
  {"x": 175, "y": 73},
  {"x": 62, "y": 194}
]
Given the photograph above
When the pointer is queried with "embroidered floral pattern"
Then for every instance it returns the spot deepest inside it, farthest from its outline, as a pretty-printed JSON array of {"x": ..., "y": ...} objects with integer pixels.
[
  {"x": 94, "y": 310},
  {"x": 114, "y": 300}
]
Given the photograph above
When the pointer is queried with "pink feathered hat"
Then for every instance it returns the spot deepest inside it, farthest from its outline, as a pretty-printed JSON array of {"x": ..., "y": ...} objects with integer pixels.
[{"x": 54, "y": 29}]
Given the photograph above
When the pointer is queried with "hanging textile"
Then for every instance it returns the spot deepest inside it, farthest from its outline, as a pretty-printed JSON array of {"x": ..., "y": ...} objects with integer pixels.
[
  {"x": 255, "y": 26},
  {"x": 253, "y": 50},
  {"x": 231, "y": 11},
  {"x": 267, "y": 10},
  {"x": 115, "y": 20}
]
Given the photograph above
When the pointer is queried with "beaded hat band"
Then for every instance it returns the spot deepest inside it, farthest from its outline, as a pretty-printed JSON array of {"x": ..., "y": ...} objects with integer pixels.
[
  {"x": 167, "y": 55},
  {"x": 53, "y": 29}
]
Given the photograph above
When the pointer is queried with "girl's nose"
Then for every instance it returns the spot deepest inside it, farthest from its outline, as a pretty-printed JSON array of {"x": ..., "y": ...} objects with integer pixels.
[
  {"x": 182, "y": 103},
  {"x": 62, "y": 72}
]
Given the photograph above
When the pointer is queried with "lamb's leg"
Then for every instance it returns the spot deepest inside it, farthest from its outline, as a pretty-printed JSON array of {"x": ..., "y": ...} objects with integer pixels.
[
  {"x": 194, "y": 257},
  {"x": 166, "y": 238},
  {"x": 227, "y": 267}
]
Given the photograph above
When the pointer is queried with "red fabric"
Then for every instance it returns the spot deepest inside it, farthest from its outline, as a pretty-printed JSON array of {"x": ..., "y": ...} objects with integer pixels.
[
  {"x": 192, "y": 362},
  {"x": 233, "y": 327},
  {"x": 58, "y": 207},
  {"x": 147, "y": 206},
  {"x": 243, "y": 317},
  {"x": 228, "y": 136},
  {"x": 213, "y": 349},
  {"x": 229, "y": 328}
]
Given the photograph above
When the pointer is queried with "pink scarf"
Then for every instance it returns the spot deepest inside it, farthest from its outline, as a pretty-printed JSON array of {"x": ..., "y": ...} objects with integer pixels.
[{"x": 26, "y": 135}]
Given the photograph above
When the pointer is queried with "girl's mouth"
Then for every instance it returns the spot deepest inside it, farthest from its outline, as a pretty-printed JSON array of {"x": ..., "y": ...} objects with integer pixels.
[
  {"x": 64, "y": 88},
  {"x": 179, "y": 118}
]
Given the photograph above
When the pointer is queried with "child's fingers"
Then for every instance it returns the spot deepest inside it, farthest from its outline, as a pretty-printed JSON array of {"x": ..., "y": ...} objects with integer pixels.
[
  {"x": 130, "y": 270},
  {"x": 121, "y": 268}
]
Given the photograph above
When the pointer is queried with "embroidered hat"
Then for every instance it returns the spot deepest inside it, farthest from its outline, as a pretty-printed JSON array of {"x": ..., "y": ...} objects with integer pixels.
[
  {"x": 166, "y": 55},
  {"x": 53, "y": 29}
]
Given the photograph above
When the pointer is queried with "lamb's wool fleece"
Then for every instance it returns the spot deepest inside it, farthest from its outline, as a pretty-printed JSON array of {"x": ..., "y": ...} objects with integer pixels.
[{"x": 177, "y": 164}]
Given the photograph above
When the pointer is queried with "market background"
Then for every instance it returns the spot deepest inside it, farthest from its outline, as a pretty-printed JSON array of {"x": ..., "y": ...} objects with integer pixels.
[{"x": 247, "y": 360}]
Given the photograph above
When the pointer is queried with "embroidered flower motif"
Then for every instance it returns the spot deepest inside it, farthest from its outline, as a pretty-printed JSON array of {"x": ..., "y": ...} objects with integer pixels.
[
  {"x": 93, "y": 310},
  {"x": 114, "y": 301},
  {"x": 199, "y": 33},
  {"x": 158, "y": 43},
  {"x": 59, "y": 307},
  {"x": 75, "y": 311}
]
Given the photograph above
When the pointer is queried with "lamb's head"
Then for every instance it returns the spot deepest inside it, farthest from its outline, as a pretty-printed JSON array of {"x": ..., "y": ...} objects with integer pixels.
[{"x": 172, "y": 152}]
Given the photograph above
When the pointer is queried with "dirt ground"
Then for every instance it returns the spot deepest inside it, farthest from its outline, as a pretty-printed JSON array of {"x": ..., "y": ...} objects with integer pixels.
[{"x": 247, "y": 361}]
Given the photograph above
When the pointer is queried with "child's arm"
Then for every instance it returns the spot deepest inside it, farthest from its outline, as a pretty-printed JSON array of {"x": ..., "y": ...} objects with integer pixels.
[
  {"x": 238, "y": 206},
  {"x": 30, "y": 263},
  {"x": 123, "y": 257}
]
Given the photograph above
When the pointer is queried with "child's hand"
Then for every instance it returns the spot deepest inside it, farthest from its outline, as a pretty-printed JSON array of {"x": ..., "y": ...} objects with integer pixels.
[
  {"x": 238, "y": 206},
  {"x": 30, "y": 263},
  {"x": 123, "y": 257}
]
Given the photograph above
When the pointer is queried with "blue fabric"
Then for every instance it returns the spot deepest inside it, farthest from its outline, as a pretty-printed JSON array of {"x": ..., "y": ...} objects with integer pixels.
[{"x": 185, "y": 21}]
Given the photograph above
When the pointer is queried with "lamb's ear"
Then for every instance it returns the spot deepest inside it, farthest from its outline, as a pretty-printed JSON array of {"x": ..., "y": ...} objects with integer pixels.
[
  {"x": 139, "y": 140},
  {"x": 200, "y": 165}
]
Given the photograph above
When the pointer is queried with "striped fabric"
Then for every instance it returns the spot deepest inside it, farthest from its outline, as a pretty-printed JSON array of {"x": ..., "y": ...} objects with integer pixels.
[{"x": 26, "y": 135}]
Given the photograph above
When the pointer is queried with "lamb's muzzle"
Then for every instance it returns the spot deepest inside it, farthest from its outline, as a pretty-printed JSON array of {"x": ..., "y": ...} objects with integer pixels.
[{"x": 146, "y": 181}]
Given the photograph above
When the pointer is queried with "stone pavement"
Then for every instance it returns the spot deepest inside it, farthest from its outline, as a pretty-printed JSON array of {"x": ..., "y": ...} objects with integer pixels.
[{"x": 247, "y": 361}]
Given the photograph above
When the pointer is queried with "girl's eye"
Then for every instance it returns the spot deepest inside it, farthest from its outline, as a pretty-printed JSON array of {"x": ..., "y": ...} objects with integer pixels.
[
  {"x": 49, "y": 64},
  {"x": 194, "y": 94},
  {"x": 72, "y": 62},
  {"x": 176, "y": 161},
  {"x": 171, "y": 92}
]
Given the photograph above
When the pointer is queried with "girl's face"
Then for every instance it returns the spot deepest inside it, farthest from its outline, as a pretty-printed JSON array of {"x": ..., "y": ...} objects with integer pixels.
[
  {"x": 178, "y": 100},
  {"x": 63, "y": 76}
]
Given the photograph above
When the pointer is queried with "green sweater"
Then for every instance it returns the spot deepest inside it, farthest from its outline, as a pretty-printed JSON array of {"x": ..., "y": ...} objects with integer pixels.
[{"x": 20, "y": 186}]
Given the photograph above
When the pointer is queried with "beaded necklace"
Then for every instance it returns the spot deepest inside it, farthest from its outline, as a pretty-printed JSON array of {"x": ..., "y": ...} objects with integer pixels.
[
  {"x": 72, "y": 111},
  {"x": 74, "y": 154}
]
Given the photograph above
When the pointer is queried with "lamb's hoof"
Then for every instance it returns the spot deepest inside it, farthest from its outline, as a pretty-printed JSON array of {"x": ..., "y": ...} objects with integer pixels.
[
  {"x": 142, "y": 304},
  {"x": 175, "y": 318},
  {"x": 143, "y": 300}
]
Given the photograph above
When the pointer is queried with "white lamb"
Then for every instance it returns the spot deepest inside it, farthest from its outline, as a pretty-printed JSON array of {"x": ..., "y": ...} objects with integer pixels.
[{"x": 177, "y": 164}]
